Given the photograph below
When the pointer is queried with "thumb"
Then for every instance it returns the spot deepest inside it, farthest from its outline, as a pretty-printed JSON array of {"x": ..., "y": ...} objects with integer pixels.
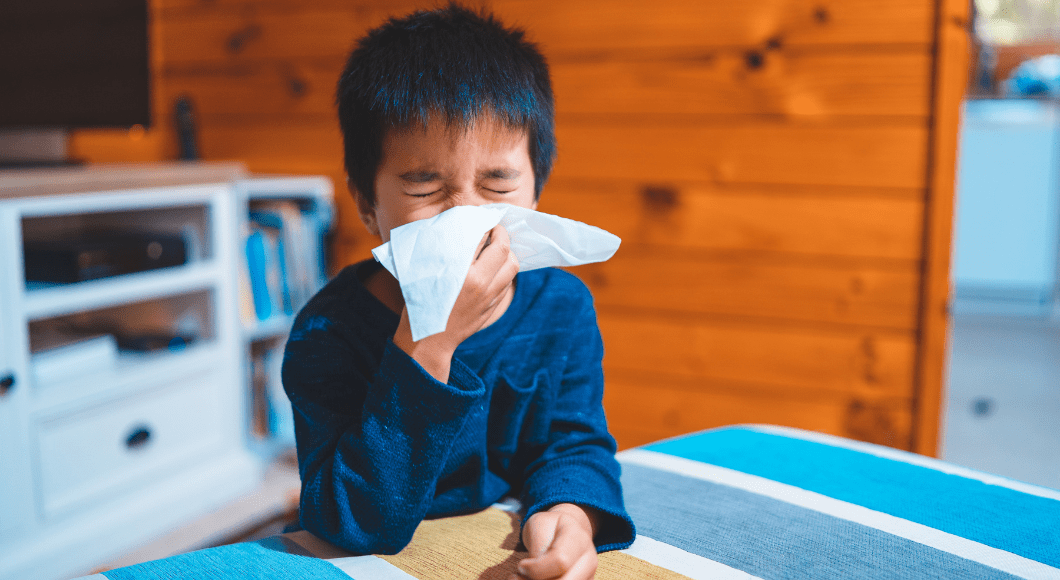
[{"x": 539, "y": 532}]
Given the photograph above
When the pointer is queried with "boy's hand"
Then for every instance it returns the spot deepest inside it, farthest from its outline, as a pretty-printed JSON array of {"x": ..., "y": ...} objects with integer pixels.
[
  {"x": 485, "y": 289},
  {"x": 560, "y": 542}
]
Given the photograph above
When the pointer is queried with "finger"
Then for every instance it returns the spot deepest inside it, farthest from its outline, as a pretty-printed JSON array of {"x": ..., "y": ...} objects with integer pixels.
[
  {"x": 496, "y": 238},
  {"x": 483, "y": 243},
  {"x": 584, "y": 568},
  {"x": 497, "y": 265},
  {"x": 552, "y": 564},
  {"x": 504, "y": 276},
  {"x": 539, "y": 532},
  {"x": 567, "y": 548},
  {"x": 491, "y": 258}
]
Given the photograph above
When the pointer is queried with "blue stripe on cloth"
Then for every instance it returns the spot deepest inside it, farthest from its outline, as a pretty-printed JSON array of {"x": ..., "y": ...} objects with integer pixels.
[
  {"x": 999, "y": 517},
  {"x": 772, "y": 539},
  {"x": 264, "y": 560}
]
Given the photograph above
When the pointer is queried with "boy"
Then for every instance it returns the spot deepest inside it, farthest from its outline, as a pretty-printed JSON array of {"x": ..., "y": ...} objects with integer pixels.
[{"x": 440, "y": 109}]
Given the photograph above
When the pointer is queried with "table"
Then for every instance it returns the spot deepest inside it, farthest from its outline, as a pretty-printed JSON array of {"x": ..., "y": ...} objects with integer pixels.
[{"x": 746, "y": 502}]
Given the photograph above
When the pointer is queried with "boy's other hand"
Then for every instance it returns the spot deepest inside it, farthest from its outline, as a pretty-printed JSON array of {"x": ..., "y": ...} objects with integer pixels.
[
  {"x": 486, "y": 289},
  {"x": 560, "y": 542}
]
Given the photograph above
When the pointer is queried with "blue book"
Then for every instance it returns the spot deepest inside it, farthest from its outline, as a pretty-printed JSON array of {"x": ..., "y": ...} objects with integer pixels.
[
  {"x": 277, "y": 252},
  {"x": 257, "y": 264}
]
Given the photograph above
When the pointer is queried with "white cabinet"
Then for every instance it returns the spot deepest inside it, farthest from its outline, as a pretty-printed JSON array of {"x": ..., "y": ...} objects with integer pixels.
[
  {"x": 105, "y": 451},
  {"x": 16, "y": 514}
]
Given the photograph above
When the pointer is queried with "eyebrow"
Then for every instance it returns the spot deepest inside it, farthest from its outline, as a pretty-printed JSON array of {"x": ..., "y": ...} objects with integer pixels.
[
  {"x": 420, "y": 176},
  {"x": 500, "y": 173}
]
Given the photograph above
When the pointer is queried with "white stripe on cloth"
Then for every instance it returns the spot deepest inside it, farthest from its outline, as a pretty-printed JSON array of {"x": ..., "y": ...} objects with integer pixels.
[
  {"x": 907, "y": 457},
  {"x": 956, "y": 545},
  {"x": 92, "y": 577},
  {"x": 677, "y": 560},
  {"x": 369, "y": 568}
]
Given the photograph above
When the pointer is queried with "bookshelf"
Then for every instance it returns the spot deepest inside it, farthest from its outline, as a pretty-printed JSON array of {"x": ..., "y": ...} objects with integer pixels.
[
  {"x": 108, "y": 448},
  {"x": 307, "y": 204}
]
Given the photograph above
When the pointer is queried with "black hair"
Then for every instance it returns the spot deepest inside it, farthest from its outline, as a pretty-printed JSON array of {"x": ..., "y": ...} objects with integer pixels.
[{"x": 451, "y": 64}]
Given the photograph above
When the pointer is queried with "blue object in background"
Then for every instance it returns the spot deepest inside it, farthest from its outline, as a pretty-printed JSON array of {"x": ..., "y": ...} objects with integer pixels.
[
  {"x": 1005, "y": 245},
  {"x": 259, "y": 284},
  {"x": 1035, "y": 77}
]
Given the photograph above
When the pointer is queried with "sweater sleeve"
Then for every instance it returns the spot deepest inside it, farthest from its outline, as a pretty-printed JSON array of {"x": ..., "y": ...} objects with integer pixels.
[
  {"x": 577, "y": 463},
  {"x": 371, "y": 440}
]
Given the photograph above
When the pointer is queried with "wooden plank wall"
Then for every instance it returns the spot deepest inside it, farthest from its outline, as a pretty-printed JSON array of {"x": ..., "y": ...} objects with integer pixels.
[{"x": 771, "y": 165}]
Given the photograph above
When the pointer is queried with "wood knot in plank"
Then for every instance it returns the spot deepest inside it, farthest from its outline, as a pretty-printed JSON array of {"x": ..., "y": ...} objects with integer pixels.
[
  {"x": 239, "y": 39},
  {"x": 871, "y": 361},
  {"x": 659, "y": 198},
  {"x": 871, "y": 422},
  {"x": 754, "y": 59},
  {"x": 297, "y": 86}
]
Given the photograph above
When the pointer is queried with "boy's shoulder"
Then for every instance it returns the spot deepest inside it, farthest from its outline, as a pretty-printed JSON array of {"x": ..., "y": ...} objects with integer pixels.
[
  {"x": 557, "y": 280},
  {"x": 556, "y": 289},
  {"x": 345, "y": 300}
]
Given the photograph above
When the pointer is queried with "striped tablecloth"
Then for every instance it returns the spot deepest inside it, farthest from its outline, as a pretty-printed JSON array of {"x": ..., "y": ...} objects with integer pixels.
[{"x": 740, "y": 502}]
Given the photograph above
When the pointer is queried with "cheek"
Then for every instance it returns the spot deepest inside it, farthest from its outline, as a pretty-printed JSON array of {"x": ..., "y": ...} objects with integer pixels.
[{"x": 393, "y": 215}]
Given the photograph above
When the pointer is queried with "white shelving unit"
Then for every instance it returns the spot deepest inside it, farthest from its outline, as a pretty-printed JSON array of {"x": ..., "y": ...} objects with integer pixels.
[
  {"x": 265, "y": 339},
  {"x": 99, "y": 461}
]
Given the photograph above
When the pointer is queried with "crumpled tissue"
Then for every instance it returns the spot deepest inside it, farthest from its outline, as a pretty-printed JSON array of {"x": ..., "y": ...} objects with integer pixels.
[{"x": 431, "y": 257}]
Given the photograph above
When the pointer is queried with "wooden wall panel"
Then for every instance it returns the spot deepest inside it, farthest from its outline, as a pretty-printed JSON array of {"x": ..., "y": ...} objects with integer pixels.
[
  {"x": 289, "y": 89},
  {"x": 792, "y": 359},
  {"x": 674, "y": 406},
  {"x": 751, "y": 287},
  {"x": 777, "y": 169},
  {"x": 262, "y": 35},
  {"x": 807, "y": 221},
  {"x": 733, "y": 82},
  {"x": 805, "y": 84},
  {"x": 864, "y": 154},
  {"x": 600, "y": 25},
  {"x": 197, "y": 30}
]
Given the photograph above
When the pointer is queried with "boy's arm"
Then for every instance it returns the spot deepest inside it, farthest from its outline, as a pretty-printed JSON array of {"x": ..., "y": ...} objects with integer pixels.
[
  {"x": 577, "y": 463},
  {"x": 371, "y": 442}
]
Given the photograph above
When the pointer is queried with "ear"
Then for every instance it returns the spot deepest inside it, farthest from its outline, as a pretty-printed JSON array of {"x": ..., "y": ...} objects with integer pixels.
[{"x": 364, "y": 209}]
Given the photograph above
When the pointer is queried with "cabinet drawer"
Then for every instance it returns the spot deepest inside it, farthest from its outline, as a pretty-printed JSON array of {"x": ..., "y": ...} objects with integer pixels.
[{"x": 86, "y": 455}]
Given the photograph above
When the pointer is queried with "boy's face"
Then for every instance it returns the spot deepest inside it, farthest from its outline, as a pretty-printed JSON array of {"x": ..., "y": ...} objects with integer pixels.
[{"x": 424, "y": 173}]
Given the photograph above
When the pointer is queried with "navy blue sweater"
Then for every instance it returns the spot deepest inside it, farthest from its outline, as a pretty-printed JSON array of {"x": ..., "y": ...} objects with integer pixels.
[{"x": 383, "y": 445}]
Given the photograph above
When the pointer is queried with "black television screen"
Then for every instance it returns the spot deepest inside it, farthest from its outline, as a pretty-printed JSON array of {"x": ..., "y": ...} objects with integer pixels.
[{"x": 74, "y": 63}]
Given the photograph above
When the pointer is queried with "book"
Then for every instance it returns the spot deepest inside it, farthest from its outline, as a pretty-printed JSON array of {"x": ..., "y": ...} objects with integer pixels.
[
  {"x": 257, "y": 266},
  {"x": 281, "y": 415},
  {"x": 287, "y": 222},
  {"x": 279, "y": 264},
  {"x": 285, "y": 259}
]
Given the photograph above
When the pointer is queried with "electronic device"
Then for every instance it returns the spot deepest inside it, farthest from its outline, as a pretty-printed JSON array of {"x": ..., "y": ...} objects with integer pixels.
[
  {"x": 70, "y": 64},
  {"x": 101, "y": 255}
]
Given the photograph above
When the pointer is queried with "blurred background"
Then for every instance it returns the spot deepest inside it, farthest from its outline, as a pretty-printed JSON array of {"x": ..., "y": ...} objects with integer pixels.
[
  {"x": 783, "y": 173},
  {"x": 768, "y": 165}
]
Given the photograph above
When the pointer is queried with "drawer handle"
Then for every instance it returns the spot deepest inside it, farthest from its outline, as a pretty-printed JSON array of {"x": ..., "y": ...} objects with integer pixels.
[{"x": 139, "y": 437}]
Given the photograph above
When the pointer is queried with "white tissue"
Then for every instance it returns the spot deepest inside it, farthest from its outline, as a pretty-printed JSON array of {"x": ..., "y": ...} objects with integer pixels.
[{"x": 430, "y": 258}]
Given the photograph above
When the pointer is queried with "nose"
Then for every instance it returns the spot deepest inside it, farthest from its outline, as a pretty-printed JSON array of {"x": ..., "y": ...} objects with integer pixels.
[{"x": 465, "y": 196}]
